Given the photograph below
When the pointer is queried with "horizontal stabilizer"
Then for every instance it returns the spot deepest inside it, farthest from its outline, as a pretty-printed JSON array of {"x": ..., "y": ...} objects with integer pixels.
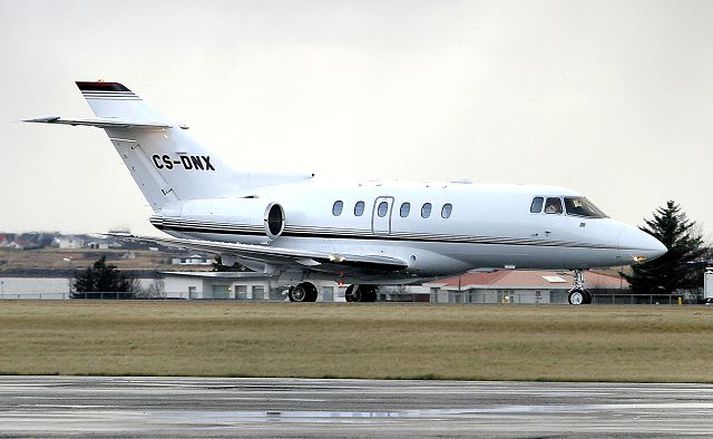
[{"x": 100, "y": 123}]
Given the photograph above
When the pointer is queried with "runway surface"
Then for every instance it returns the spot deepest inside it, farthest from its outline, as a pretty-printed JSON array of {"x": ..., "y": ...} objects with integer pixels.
[{"x": 187, "y": 407}]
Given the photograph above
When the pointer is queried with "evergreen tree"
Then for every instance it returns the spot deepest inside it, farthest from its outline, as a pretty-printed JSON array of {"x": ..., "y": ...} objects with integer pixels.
[
  {"x": 102, "y": 277},
  {"x": 218, "y": 266},
  {"x": 681, "y": 267}
]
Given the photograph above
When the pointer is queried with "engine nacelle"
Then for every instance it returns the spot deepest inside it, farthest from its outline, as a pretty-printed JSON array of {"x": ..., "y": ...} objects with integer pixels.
[
  {"x": 250, "y": 212},
  {"x": 274, "y": 220}
]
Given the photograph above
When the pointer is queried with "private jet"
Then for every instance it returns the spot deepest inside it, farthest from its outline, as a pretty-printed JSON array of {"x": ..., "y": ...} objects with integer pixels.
[{"x": 299, "y": 228}]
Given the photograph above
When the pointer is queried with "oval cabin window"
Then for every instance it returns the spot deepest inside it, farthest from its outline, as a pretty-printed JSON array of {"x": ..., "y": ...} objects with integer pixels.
[
  {"x": 337, "y": 208},
  {"x": 426, "y": 210},
  {"x": 446, "y": 210}
]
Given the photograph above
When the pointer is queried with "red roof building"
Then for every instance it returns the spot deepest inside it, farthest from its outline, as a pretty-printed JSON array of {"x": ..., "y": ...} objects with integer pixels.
[{"x": 519, "y": 286}]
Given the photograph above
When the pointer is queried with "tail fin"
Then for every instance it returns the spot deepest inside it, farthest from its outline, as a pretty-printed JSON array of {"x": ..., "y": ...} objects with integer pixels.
[{"x": 166, "y": 163}]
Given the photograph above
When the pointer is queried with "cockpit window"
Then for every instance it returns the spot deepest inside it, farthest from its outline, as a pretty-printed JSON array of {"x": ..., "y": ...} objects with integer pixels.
[
  {"x": 580, "y": 206},
  {"x": 553, "y": 205},
  {"x": 536, "y": 206}
]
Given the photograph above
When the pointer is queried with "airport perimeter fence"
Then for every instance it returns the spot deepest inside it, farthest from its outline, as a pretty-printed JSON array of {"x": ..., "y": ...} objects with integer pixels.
[
  {"x": 599, "y": 299},
  {"x": 645, "y": 299}
]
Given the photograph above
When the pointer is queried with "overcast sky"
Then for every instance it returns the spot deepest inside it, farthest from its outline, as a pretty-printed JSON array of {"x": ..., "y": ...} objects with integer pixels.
[{"x": 610, "y": 98}]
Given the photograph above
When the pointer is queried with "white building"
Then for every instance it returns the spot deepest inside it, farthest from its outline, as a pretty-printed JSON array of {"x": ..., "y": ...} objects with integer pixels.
[
  {"x": 519, "y": 286},
  {"x": 68, "y": 241},
  {"x": 100, "y": 245},
  {"x": 195, "y": 259},
  {"x": 237, "y": 286}
]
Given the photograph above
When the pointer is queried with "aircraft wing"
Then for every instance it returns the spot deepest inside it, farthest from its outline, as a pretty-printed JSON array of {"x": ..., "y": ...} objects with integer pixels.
[
  {"x": 99, "y": 123},
  {"x": 278, "y": 255}
]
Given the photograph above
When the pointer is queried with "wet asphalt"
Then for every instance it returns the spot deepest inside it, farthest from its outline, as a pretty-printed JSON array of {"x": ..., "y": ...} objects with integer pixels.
[{"x": 58, "y": 406}]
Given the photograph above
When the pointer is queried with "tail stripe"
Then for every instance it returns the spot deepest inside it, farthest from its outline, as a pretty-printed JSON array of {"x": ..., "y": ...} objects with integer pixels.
[{"x": 100, "y": 86}]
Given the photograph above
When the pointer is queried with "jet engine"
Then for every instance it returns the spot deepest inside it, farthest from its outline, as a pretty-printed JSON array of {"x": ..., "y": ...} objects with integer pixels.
[{"x": 274, "y": 220}]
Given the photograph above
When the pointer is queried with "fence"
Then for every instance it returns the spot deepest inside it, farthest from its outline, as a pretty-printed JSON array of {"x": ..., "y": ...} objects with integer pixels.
[
  {"x": 34, "y": 296},
  {"x": 600, "y": 299},
  {"x": 644, "y": 299}
]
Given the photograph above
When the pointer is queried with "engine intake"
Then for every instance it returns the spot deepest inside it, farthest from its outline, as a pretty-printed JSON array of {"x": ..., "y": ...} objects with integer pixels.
[{"x": 274, "y": 220}]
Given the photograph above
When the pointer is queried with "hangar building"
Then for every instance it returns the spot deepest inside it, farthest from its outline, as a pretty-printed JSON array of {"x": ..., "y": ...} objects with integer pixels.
[{"x": 512, "y": 286}]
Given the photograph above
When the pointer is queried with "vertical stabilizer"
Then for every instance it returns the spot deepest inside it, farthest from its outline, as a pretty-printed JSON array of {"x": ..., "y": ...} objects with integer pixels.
[{"x": 166, "y": 163}]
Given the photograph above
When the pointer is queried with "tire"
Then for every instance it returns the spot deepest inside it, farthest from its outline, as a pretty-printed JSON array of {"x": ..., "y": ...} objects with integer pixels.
[
  {"x": 304, "y": 292},
  {"x": 577, "y": 297},
  {"x": 361, "y": 293},
  {"x": 349, "y": 293},
  {"x": 353, "y": 293},
  {"x": 587, "y": 297},
  {"x": 369, "y": 293},
  {"x": 313, "y": 294}
]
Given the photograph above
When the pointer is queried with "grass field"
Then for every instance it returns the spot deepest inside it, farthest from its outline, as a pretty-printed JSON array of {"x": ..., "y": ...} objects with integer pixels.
[{"x": 637, "y": 343}]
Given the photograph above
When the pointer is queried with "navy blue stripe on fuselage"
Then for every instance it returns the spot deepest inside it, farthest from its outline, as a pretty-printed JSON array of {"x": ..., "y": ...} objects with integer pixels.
[{"x": 257, "y": 231}]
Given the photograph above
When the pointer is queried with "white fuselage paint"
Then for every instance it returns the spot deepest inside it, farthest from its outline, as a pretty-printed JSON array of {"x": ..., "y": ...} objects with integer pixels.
[
  {"x": 196, "y": 195},
  {"x": 490, "y": 226}
]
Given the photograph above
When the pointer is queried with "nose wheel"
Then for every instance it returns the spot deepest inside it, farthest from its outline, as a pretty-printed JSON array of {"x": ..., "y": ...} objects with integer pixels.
[{"x": 578, "y": 295}]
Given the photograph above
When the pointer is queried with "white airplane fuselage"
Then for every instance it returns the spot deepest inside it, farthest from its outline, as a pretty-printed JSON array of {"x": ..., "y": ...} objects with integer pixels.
[
  {"x": 298, "y": 227},
  {"x": 489, "y": 227}
]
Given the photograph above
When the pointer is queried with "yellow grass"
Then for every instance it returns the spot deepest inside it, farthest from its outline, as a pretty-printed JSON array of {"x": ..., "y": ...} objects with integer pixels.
[{"x": 638, "y": 343}]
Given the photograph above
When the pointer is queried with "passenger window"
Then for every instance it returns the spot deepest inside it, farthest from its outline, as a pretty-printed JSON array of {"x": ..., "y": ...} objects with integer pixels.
[
  {"x": 553, "y": 205},
  {"x": 382, "y": 209},
  {"x": 426, "y": 210},
  {"x": 446, "y": 210},
  {"x": 359, "y": 208},
  {"x": 536, "y": 206},
  {"x": 405, "y": 209},
  {"x": 337, "y": 208}
]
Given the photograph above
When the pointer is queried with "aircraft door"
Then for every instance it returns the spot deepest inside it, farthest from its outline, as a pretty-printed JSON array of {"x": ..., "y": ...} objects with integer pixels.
[{"x": 381, "y": 215}]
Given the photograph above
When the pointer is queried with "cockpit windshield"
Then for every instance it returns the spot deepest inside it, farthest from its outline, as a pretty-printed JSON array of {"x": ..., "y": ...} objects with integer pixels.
[{"x": 580, "y": 206}]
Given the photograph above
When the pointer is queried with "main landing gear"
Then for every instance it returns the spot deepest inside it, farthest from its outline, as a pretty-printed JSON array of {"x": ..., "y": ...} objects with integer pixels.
[
  {"x": 578, "y": 295},
  {"x": 304, "y": 292},
  {"x": 360, "y": 293}
]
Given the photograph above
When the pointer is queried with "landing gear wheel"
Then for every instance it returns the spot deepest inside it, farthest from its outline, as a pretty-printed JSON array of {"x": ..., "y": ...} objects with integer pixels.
[
  {"x": 361, "y": 293},
  {"x": 577, "y": 297},
  {"x": 369, "y": 293},
  {"x": 587, "y": 297},
  {"x": 304, "y": 292},
  {"x": 353, "y": 293}
]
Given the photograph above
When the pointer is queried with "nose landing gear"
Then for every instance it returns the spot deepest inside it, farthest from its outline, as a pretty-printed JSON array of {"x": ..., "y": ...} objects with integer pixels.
[{"x": 578, "y": 295}]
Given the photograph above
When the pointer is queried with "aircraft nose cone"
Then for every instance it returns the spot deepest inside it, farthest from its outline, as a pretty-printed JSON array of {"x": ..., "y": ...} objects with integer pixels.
[
  {"x": 640, "y": 245},
  {"x": 656, "y": 247}
]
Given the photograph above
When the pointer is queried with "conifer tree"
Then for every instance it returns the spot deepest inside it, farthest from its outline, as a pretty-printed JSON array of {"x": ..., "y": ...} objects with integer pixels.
[
  {"x": 102, "y": 277},
  {"x": 681, "y": 267},
  {"x": 218, "y": 266}
]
